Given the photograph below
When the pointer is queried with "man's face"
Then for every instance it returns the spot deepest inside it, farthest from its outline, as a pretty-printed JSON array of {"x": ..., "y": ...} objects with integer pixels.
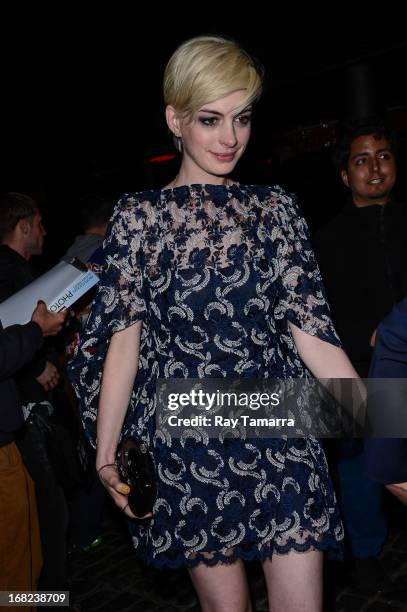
[
  {"x": 371, "y": 170},
  {"x": 34, "y": 239}
]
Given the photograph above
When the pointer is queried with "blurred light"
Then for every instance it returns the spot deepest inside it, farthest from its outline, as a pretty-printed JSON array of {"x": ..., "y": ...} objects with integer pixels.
[{"x": 159, "y": 159}]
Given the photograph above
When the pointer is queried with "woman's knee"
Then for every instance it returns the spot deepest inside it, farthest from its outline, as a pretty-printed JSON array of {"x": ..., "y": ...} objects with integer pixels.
[
  {"x": 222, "y": 588},
  {"x": 294, "y": 581}
]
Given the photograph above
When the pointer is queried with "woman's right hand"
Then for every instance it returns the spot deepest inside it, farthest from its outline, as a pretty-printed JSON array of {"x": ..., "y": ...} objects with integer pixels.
[
  {"x": 119, "y": 491},
  {"x": 119, "y": 373}
]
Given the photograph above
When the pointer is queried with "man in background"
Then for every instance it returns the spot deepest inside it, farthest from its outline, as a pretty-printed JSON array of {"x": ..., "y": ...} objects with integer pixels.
[
  {"x": 20, "y": 558},
  {"x": 362, "y": 254},
  {"x": 21, "y": 238},
  {"x": 94, "y": 215}
]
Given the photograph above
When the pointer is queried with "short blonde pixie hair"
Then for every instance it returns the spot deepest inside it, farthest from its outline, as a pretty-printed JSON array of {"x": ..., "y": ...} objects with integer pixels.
[{"x": 206, "y": 68}]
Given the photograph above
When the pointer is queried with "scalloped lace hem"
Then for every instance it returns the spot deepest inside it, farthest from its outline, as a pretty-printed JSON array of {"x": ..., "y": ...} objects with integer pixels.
[{"x": 330, "y": 546}]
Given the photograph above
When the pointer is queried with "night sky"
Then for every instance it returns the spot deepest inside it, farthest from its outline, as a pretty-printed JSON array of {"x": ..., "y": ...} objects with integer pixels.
[{"x": 83, "y": 108}]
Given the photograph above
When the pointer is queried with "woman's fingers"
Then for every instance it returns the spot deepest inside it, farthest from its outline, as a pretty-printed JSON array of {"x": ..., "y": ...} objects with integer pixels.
[
  {"x": 118, "y": 490},
  {"x": 109, "y": 477}
]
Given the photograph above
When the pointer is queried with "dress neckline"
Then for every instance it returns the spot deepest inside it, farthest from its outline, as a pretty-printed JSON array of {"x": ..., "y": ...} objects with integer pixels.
[{"x": 200, "y": 186}]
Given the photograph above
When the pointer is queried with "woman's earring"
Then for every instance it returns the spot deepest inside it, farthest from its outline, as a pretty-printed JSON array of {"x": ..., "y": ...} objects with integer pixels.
[{"x": 177, "y": 140}]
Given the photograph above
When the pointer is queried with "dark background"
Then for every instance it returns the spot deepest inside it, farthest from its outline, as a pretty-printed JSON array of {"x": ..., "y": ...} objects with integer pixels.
[{"x": 83, "y": 109}]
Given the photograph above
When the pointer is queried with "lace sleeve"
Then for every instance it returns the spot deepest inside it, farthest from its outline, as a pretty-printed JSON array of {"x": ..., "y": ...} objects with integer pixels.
[
  {"x": 120, "y": 300},
  {"x": 119, "y": 303},
  {"x": 303, "y": 298}
]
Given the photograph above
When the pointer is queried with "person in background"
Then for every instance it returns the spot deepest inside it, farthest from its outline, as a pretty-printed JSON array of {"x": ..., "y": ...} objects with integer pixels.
[
  {"x": 88, "y": 501},
  {"x": 362, "y": 253},
  {"x": 94, "y": 214},
  {"x": 21, "y": 238},
  {"x": 20, "y": 558},
  {"x": 386, "y": 459}
]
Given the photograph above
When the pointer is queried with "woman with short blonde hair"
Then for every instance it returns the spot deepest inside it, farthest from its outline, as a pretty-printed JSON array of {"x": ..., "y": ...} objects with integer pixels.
[{"x": 207, "y": 278}]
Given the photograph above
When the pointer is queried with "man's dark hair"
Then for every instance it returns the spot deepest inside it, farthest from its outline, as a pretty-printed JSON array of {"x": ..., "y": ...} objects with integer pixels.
[
  {"x": 351, "y": 131},
  {"x": 94, "y": 210},
  {"x": 14, "y": 207}
]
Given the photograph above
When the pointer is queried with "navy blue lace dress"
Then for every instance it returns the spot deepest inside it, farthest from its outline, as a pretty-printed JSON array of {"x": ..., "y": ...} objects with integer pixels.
[{"x": 215, "y": 273}]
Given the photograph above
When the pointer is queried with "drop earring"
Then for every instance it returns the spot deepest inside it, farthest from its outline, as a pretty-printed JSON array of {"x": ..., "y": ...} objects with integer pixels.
[{"x": 177, "y": 140}]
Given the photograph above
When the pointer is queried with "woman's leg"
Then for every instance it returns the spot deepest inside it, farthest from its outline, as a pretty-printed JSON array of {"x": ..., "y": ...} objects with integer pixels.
[
  {"x": 222, "y": 588},
  {"x": 294, "y": 582}
]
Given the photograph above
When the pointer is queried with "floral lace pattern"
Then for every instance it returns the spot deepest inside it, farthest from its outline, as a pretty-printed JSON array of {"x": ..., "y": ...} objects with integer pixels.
[{"x": 216, "y": 273}]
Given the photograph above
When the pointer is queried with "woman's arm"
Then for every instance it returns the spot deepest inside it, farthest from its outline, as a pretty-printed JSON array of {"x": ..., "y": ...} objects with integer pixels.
[
  {"x": 399, "y": 490},
  {"x": 119, "y": 373},
  {"x": 328, "y": 363},
  {"x": 324, "y": 360}
]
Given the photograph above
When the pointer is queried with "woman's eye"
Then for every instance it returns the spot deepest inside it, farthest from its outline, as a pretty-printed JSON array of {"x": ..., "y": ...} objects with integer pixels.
[
  {"x": 243, "y": 119},
  {"x": 210, "y": 121},
  {"x": 360, "y": 161}
]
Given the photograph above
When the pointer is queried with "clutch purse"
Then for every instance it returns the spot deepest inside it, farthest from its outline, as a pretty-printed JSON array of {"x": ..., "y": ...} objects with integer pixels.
[{"x": 137, "y": 470}]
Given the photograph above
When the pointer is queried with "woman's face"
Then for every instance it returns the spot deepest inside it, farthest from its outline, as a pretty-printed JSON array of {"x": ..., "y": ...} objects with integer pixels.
[{"x": 214, "y": 139}]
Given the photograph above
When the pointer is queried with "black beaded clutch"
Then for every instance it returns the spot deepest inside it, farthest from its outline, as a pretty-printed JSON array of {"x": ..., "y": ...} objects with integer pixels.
[{"x": 136, "y": 468}]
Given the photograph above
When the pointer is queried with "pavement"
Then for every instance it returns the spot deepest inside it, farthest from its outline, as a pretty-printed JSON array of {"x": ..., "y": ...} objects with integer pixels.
[{"x": 110, "y": 578}]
